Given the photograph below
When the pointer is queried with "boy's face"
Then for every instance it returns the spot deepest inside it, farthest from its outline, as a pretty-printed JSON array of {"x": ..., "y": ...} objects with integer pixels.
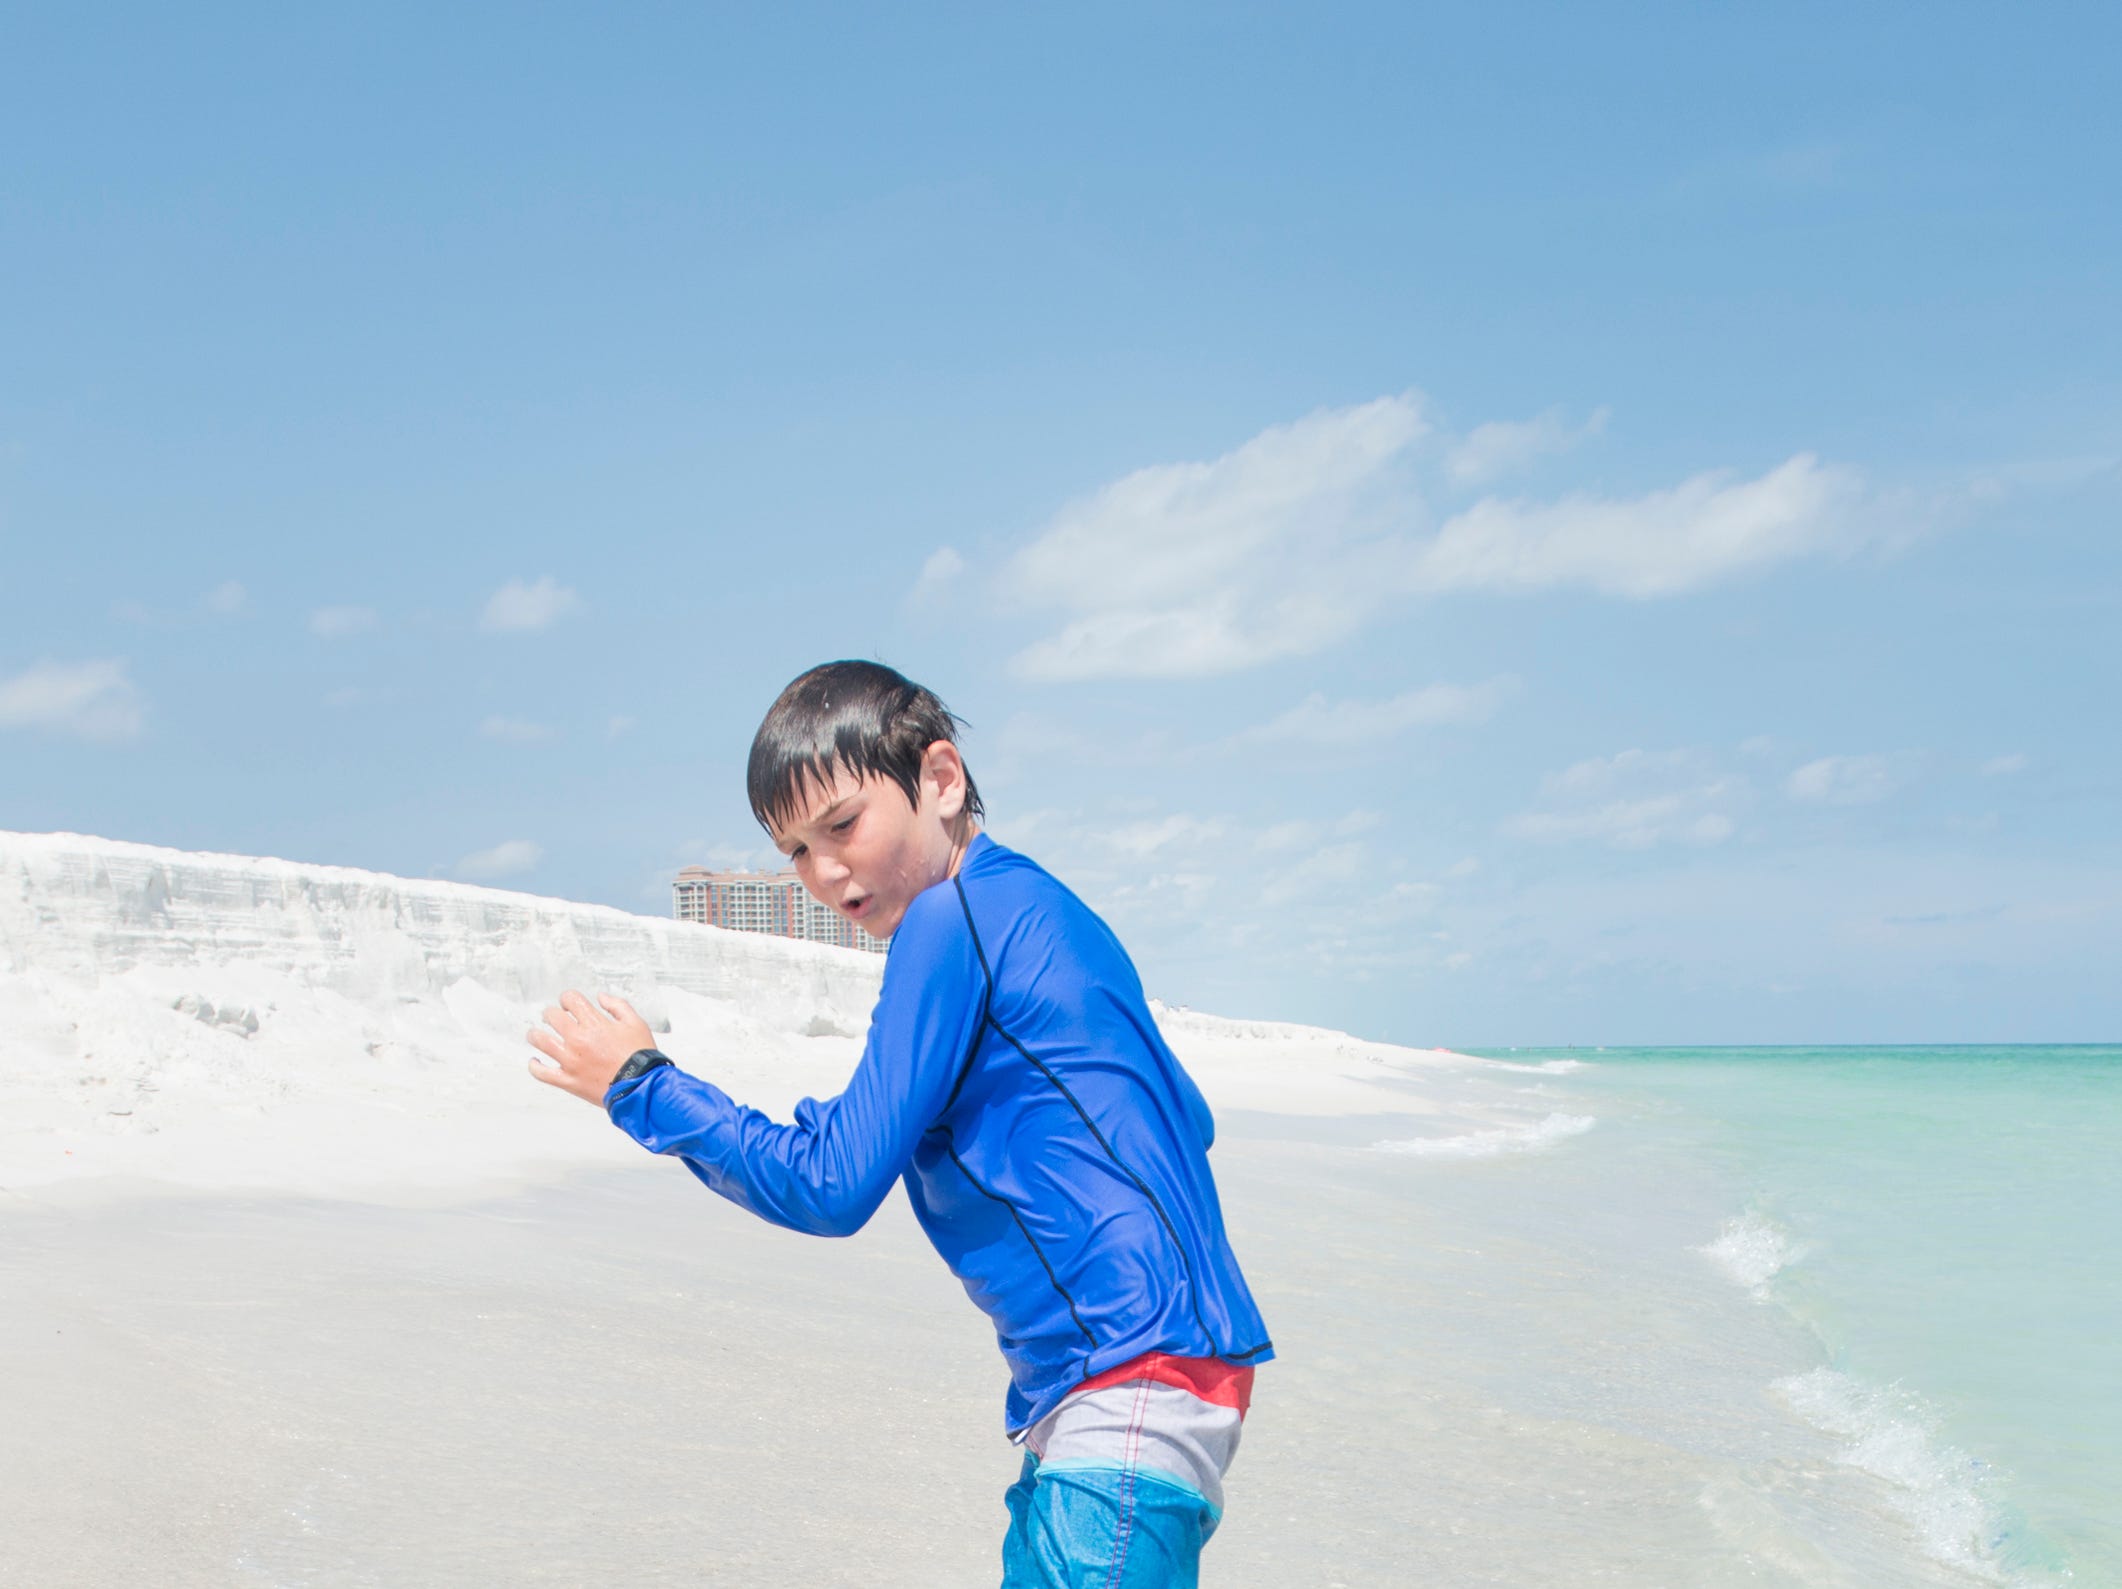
[{"x": 860, "y": 848}]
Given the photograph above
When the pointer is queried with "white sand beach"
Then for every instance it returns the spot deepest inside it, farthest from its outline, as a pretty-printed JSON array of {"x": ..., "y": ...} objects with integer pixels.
[{"x": 307, "y": 1283}]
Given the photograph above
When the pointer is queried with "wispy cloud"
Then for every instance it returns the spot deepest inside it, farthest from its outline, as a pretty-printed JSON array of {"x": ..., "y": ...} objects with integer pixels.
[
  {"x": 1503, "y": 446},
  {"x": 514, "y": 730},
  {"x": 87, "y": 700},
  {"x": 1191, "y": 569},
  {"x": 1310, "y": 530},
  {"x": 2004, "y": 766},
  {"x": 510, "y": 858},
  {"x": 1318, "y": 721},
  {"x": 224, "y": 600},
  {"x": 938, "y": 574},
  {"x": 1324, "y": 892},
  {"x": 332, "y": 623},
  {"x": 1636, "y": 800},
  {"x": 518, "y": 608},
  {"x": 1841, "y": 781},
  {"x": 1708, "y": 529}
]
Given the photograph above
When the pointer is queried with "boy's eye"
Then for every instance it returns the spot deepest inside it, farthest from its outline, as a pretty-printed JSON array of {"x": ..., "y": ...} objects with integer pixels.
[
  {"x": 843, "y": 825},
  {"x": 797, "y": 853}
]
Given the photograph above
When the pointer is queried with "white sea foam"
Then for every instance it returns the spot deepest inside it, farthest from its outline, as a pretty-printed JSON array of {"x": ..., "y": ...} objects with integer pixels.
[
  {"x": 1545, "y": 1067},
  {"x": 1753, "y": 1249},
  {"x": 1496, "y": 1140},
  {"x": 1890, "y": 1433}
]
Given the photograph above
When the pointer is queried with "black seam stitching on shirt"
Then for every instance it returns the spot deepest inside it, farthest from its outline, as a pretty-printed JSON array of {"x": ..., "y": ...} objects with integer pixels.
[
  {"x": 1193, "y": 1286},
  {"x": 987, "y": 1019},
  {"x": 987, "y": 1001},
  {"x": 952, "y": 1150}
]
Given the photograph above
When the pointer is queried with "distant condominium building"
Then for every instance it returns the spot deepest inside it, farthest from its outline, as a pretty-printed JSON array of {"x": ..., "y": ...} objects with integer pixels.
[{"x": 770, "y": 902}]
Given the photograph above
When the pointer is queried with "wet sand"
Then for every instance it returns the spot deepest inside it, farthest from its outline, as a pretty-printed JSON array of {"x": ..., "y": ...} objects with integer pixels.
[{"x": 618, "y": 1378}]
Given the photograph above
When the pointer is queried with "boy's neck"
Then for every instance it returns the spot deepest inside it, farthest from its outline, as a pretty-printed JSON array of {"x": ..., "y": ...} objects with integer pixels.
[{"x": 961, "y": 841}]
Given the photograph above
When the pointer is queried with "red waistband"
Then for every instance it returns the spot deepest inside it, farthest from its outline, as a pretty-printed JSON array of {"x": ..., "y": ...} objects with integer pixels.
[{"x": 1213, "y": 1380}]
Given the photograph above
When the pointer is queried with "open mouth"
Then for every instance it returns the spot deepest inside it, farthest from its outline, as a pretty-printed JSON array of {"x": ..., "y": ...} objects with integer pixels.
[{"x": 855, "y": 907}]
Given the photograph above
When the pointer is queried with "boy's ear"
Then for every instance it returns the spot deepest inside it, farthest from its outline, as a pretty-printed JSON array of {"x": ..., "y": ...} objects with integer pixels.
[{"x": 944, "y": 770}]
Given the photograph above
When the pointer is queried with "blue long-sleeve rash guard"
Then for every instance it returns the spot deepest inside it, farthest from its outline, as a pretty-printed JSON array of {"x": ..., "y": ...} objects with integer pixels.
[{"x": 1053, "y": 1149}]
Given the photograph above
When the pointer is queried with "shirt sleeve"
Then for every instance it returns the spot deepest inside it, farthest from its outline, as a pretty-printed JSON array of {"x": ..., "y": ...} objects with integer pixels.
[{"x": 830, "y": 1170}]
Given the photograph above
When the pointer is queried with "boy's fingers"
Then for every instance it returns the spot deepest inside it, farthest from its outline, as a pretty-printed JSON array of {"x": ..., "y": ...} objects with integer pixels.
[
  {"x": 579, "y": 1007},
  {"x": 550, "y": 1075},
  {"x": 617, "y": 1007},
  {"x": 545, "y": 1043},
  {"x": 557, "y": 1018}
]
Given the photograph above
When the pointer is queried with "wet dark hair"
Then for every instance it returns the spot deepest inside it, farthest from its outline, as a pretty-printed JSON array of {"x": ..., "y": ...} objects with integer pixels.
[{"x": 860, "y": 718}]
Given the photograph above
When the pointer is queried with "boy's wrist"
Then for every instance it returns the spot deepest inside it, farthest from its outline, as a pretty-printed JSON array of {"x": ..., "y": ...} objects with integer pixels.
[{"x": 640, "y": 1063}]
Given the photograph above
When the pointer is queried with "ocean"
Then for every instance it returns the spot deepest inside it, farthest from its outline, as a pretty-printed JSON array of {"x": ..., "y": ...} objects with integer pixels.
[{"x": 1943, "y": 1227}]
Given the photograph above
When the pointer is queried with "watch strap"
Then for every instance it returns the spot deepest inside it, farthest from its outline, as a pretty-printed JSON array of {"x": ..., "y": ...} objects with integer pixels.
[{"x": 640, "y": 1063}]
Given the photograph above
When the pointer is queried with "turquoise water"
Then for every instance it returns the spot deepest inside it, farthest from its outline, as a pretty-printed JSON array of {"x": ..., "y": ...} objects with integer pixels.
[{"x": 1948, "y": 1224}]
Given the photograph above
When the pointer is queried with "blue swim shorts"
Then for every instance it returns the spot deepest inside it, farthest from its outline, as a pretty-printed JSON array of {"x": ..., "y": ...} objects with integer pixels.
[{"x": 1122, "y": 1484}]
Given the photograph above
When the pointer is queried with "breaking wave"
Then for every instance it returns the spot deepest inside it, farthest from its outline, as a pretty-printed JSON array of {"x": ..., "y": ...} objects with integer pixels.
[
  {"x": 1488, "y": 1144},
  {"x": 1753, "y": 1249},
  {"x": 1944, "y": 1493}
]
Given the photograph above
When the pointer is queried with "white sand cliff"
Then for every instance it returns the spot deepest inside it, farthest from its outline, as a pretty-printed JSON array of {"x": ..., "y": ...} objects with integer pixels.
[{"x": 225, "y": 1021}]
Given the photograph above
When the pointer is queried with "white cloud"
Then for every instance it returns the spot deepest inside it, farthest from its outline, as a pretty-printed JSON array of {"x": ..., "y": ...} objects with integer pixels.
[
  {"x": 1317, "y": 721},
  {"x": 1634, "y": 824},
  {"x": 518, "y": 607},
  {"x": 2004, "y": 766},
  {"x": 1707, "y": 529},
  {"x": 1286, "y": 836},
  {"x": 89, "y": 700},
  {"x": 1463, "y": 868},
  {"x": 1325, "y": 875},
  {"x": 619, "y": 727},
  {"x": 1326, "y": 893},
  {"x": 1636, "y": 800},
  {"x": 514, "y": 730},
  {"x": 1841, "y": 781},
  {"x": 1190, "y": 569},
  {"x": 1292, "y": 541},
  {"x": 1503, "y": 446},
  {"x": 506, "y": 859},
  {"x": 756, "y": 856},
  {"x": 1146, "y": 838},
  {"x": 331, "y": 623},
  {"x": 227, "y": 597},
  {"x": 942, "y": 568}
]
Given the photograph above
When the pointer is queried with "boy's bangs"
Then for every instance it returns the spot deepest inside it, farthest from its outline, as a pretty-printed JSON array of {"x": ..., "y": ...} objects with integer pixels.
[{"x": 803, "y": 780}]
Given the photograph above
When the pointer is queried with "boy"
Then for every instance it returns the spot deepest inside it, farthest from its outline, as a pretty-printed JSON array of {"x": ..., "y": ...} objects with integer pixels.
[{"x": 1053, "y": 1150}]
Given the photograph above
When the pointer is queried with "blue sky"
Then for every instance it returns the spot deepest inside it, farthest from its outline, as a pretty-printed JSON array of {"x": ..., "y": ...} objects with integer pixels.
[{"x": 1477, "y": 525}]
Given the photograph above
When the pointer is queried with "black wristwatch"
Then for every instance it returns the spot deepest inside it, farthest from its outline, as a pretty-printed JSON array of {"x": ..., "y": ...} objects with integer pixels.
[{"x": 643, "y": 1061}]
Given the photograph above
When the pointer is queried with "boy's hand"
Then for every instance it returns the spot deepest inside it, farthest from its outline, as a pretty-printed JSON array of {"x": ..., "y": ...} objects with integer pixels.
[{"x": 587, "y": 1043}]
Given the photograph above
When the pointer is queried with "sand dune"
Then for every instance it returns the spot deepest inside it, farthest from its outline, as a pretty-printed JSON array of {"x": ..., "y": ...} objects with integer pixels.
[{"x": 225, "y": 1021}]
